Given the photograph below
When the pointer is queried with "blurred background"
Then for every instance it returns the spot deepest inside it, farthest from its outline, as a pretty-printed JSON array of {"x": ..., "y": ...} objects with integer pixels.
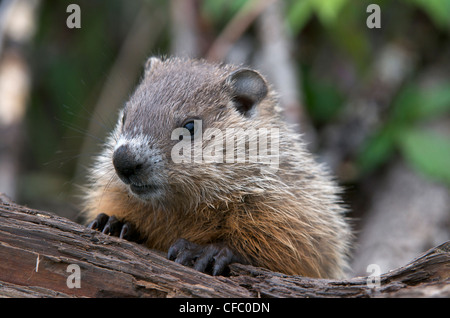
[{"x": 373, "y": 103}]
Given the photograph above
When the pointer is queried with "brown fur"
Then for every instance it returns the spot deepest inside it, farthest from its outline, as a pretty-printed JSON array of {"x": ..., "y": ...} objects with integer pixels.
[{"x": 288, "y": 221}]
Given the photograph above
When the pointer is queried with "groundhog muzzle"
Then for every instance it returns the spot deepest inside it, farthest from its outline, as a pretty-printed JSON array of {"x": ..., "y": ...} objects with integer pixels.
[{"x": 202, "y": 166}]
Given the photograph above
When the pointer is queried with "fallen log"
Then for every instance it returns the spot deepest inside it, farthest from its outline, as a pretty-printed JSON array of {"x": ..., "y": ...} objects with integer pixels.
[{"x": 44, "y": 255}]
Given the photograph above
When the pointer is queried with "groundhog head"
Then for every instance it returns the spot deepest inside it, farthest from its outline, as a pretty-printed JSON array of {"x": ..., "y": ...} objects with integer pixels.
[{"x": 178, "y": 136}]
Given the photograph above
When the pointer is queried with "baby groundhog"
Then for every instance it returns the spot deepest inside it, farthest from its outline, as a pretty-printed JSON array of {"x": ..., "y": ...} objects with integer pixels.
[{"x": 202, "y": 166}]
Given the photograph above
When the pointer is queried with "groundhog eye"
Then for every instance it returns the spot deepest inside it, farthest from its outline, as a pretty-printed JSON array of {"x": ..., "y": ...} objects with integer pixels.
[
  {"x": 190, "y": 126},
  {"x": 123, "y": 119}
]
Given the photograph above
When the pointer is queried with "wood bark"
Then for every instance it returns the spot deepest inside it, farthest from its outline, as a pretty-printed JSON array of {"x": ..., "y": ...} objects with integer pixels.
[{"x": 36, "y": 248}]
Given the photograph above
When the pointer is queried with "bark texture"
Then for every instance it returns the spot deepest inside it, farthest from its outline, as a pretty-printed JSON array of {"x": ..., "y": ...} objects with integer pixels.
[{"x": 37, "y": 247}]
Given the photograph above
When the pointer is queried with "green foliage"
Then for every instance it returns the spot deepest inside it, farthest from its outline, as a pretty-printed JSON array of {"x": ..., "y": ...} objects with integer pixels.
[
  {"x": 300, "y": 11},
  {"x": 298, "y": 14},
  {"x": 377, "y": 149},
  {"x": 437, "y": 10},
  {"x": 322, "y": 99},
  {"x": 69, "y": 67},
  {"x": 221, "y": 11},
  {"x": 329, "y": 12},
  {"x": 428, "y": 152}
]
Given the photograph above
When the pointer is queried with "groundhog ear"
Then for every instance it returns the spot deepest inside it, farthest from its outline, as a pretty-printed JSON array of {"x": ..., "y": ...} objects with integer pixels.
[
  {"x": 248, "y": 89},
  {"x": 151, "y": 63}
]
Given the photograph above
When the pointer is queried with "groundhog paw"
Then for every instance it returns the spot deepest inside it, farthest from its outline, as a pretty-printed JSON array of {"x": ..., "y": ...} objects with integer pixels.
[
  {"x": 212, "y": 258},
  {"x": 110, "y": 225}
]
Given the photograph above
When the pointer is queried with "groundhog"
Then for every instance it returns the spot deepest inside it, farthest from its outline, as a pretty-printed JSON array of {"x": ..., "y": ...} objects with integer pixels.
[{"x": 202, "y": 166}]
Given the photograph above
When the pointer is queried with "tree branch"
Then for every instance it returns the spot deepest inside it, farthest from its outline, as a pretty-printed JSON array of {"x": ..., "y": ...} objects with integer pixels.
[{"x": 36, "y": 248}]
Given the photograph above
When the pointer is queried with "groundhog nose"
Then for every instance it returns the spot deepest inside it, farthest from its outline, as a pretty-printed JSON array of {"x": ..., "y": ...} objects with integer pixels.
[{"x": 125, "y": 164}]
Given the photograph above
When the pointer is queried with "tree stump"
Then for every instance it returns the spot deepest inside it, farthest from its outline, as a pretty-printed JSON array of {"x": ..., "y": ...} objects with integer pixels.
[{"x": 44, "y": 255}]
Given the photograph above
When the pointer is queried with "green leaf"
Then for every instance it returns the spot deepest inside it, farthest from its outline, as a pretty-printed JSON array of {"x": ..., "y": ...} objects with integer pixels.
[
  {"x": 414, "y": 103},
  {"x": 434, "y": 102},
  {"x": 428, "y": 152},
  {"x": 222, "y": 10},
  {"x": 438, "y": 10},
  {"x": 328, "y": 10},
  {"x": 323, "y": 99},
  {"x": 405, "y": 104},
  {"x": 298, "y": 15},
  {"x": 378, "y": 149}
]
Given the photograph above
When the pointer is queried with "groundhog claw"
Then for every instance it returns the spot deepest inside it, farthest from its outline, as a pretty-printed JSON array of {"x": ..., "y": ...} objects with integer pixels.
[
  {"x": 212, "y": 258},
  {"x": 110, "y": 225},
  {"x": 99, "y": 222}
]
